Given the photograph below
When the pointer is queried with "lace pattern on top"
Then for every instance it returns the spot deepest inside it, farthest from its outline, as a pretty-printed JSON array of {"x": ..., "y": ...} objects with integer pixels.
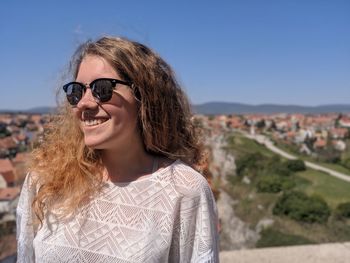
[{"x": 169, "y": 216}]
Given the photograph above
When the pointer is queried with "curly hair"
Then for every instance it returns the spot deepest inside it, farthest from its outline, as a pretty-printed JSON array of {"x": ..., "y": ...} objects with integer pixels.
[{"x": 69, "y": 172}]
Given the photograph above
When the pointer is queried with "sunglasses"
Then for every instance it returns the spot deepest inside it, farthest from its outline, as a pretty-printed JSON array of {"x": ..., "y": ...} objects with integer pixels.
[{"x": 102, "y": 89}]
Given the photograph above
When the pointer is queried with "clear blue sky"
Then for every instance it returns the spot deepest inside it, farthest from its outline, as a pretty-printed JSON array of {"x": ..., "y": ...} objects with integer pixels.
[{"x": 270, "y": 51}]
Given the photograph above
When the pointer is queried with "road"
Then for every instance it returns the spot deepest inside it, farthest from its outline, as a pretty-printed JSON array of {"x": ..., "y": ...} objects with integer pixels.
[{"x": 269, "y": 144}]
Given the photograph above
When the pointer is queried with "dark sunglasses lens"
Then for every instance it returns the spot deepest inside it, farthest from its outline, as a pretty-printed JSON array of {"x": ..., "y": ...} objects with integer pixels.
[
  {"x": 74, "y": 93},
  {"x": 103, "y": 90}
]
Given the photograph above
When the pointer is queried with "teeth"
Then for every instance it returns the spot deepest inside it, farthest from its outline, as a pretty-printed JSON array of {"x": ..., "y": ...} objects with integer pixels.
[{"x": 93, "y": 122}]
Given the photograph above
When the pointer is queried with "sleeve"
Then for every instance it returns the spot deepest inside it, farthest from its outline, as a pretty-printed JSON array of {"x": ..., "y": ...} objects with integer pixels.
[
  {"x": 24, "y": 218},
  {"x": 195, "y": 236}
]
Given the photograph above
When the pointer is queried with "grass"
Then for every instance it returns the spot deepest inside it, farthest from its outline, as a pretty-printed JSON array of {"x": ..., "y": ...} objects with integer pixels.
[
  {"x": 241, "y": 145},
  {"x": 335, "y": 167},
  {"x": 332, "y": 189},
  {"x": 333, "y": 231},
  {"x": 253, "y": 206},
  {"x": 271, "y": 237}
]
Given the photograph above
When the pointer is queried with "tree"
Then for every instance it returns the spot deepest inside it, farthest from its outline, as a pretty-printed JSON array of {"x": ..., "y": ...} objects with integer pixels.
[
  {"x": 274, "y": 184},
  {"x": 296, "y": 165},
  {"x": 252, "y": 162},
  {"x": 300, "y": 207},
  {"x": 343, "y": 210},
  {"x": 276, "y": 166},
  {"x": 269, "y": 184},
  {"x": 4, "y": 132},
  {"x": 260, "y": 124},
  {"x": 346, "y": 162}
]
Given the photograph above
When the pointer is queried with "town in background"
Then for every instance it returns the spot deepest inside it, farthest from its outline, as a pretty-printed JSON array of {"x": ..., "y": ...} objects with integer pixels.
[{"x": 321, "y": 138}]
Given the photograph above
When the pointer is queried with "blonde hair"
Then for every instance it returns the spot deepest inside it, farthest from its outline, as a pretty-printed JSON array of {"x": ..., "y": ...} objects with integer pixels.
[{"x": 68, "y": 172}]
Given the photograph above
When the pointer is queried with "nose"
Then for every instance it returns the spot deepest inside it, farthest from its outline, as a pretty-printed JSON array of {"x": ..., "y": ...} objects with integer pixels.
[{"x": 87, "y": 101}]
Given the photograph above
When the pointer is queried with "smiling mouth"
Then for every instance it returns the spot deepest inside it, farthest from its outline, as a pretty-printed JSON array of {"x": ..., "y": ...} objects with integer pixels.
[{"x": 94, "y": 122}]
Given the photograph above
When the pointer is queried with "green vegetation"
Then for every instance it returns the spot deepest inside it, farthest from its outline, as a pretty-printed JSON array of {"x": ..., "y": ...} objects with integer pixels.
[
  {"x": 343, "y": 211},
  {"x": 303, "y": 208},
  {"x": 336, "y": 167},
  {"x": 240, "y": 146},
  {"x": 274, "y": 184},
  {"x": 268, "y": 186},
  {"x": 249, "y": 164},
  {"x": 274, "y": 238},
  {"x": 253, "y": 164},
  {"x": 4, "y": 131},
  {"x": 333, "y": 190},
  {"x": 331, "y": 159},
  {"x": 346, "y": 162},
  {"x": 296, "y": 165}
]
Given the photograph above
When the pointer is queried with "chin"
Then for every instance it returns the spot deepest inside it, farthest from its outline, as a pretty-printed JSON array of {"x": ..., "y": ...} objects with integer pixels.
[
  {"x": 94, "y": 147},
  {"x": 95, "y": 144}
]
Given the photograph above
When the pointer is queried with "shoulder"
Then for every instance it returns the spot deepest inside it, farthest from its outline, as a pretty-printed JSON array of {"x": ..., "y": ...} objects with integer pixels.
[
  {"x": 187, "y": 176},
  {"x": 30, "y": 184},
  {"x": 32, "y": 178},
  {"x": 186, "y": 180},
  {"x": 28, "y": 193}
]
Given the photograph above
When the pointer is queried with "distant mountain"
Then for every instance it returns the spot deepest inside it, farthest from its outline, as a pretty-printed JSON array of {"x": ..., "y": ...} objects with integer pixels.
[
  {"x": 42, "y": 110},
  {"x": 239, "y": 108},
  {"x": 232, "y": 108},
  {"x": 36, "y": 110}
]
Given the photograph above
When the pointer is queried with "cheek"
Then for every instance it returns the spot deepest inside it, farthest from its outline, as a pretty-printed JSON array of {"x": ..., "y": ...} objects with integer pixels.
[
  {"x": 124, "y": 108},
  {"x": 133, "y": 116},
  {"x": 125, "y": 119},
  {"x": 76, "y": 113}
]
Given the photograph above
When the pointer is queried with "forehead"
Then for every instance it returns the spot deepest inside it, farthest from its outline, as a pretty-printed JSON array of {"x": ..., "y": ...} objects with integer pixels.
[{"x": 94, "y": 67}]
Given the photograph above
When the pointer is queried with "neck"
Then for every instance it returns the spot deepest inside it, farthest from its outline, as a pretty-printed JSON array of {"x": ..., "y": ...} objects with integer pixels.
[{"x": 127, "y": 165}]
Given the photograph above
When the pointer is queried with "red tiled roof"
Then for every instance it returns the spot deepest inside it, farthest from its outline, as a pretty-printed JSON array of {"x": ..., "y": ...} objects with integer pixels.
[
  {"x": 234, "y": 122},
  {"x": 320, "y": 143},
  {"x": 21, "y": 157},
  {"x": 8, "y": 171},
  {"x": 291, "y": 134},
  {"x": 5, "y": 118},
  {"x": 36, "y": 118},
  {"x": 9, "y": 176},
  {"x": 7, "y": 143},
  {"x": 6, "y": 165},
  {"x": 9, "y": 193},
  {"x": 21, "y": 137}
]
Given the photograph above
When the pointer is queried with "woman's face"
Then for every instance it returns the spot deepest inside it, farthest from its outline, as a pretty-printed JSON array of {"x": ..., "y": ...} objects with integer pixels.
[{"x": 108, "y": 125}]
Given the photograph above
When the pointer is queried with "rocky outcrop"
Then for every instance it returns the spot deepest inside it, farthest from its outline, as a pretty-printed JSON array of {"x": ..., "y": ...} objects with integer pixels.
[
  {"x": 222, "y": 163},
  {"x": 235, "y": 234}
]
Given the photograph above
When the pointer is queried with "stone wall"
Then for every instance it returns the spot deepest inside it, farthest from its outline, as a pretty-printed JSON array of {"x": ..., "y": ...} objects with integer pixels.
[{"x": 325, "y": 253}]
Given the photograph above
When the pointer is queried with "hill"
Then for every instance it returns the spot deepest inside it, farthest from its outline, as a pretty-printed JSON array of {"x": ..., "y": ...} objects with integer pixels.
[
  {"x": 239, "y": 108},
  {"x": 36, "y": 110},
  {"x": 214, "y": 108}
]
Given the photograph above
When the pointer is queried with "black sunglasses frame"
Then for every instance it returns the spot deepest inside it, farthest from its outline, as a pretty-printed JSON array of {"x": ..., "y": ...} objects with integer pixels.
[{"x": 74, "y": 99}]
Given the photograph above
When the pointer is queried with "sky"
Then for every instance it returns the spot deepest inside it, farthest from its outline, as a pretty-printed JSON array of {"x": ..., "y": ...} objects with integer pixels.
[{"x": 255, "y": 52}]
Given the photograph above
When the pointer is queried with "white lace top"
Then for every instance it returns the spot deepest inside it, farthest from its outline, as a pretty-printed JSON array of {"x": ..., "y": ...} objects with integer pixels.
[{"x": 169, "y": 216}]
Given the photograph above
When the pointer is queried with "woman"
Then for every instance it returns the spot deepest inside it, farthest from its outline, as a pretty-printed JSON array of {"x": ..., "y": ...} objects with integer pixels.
[{"x": 113, "y": 179}]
